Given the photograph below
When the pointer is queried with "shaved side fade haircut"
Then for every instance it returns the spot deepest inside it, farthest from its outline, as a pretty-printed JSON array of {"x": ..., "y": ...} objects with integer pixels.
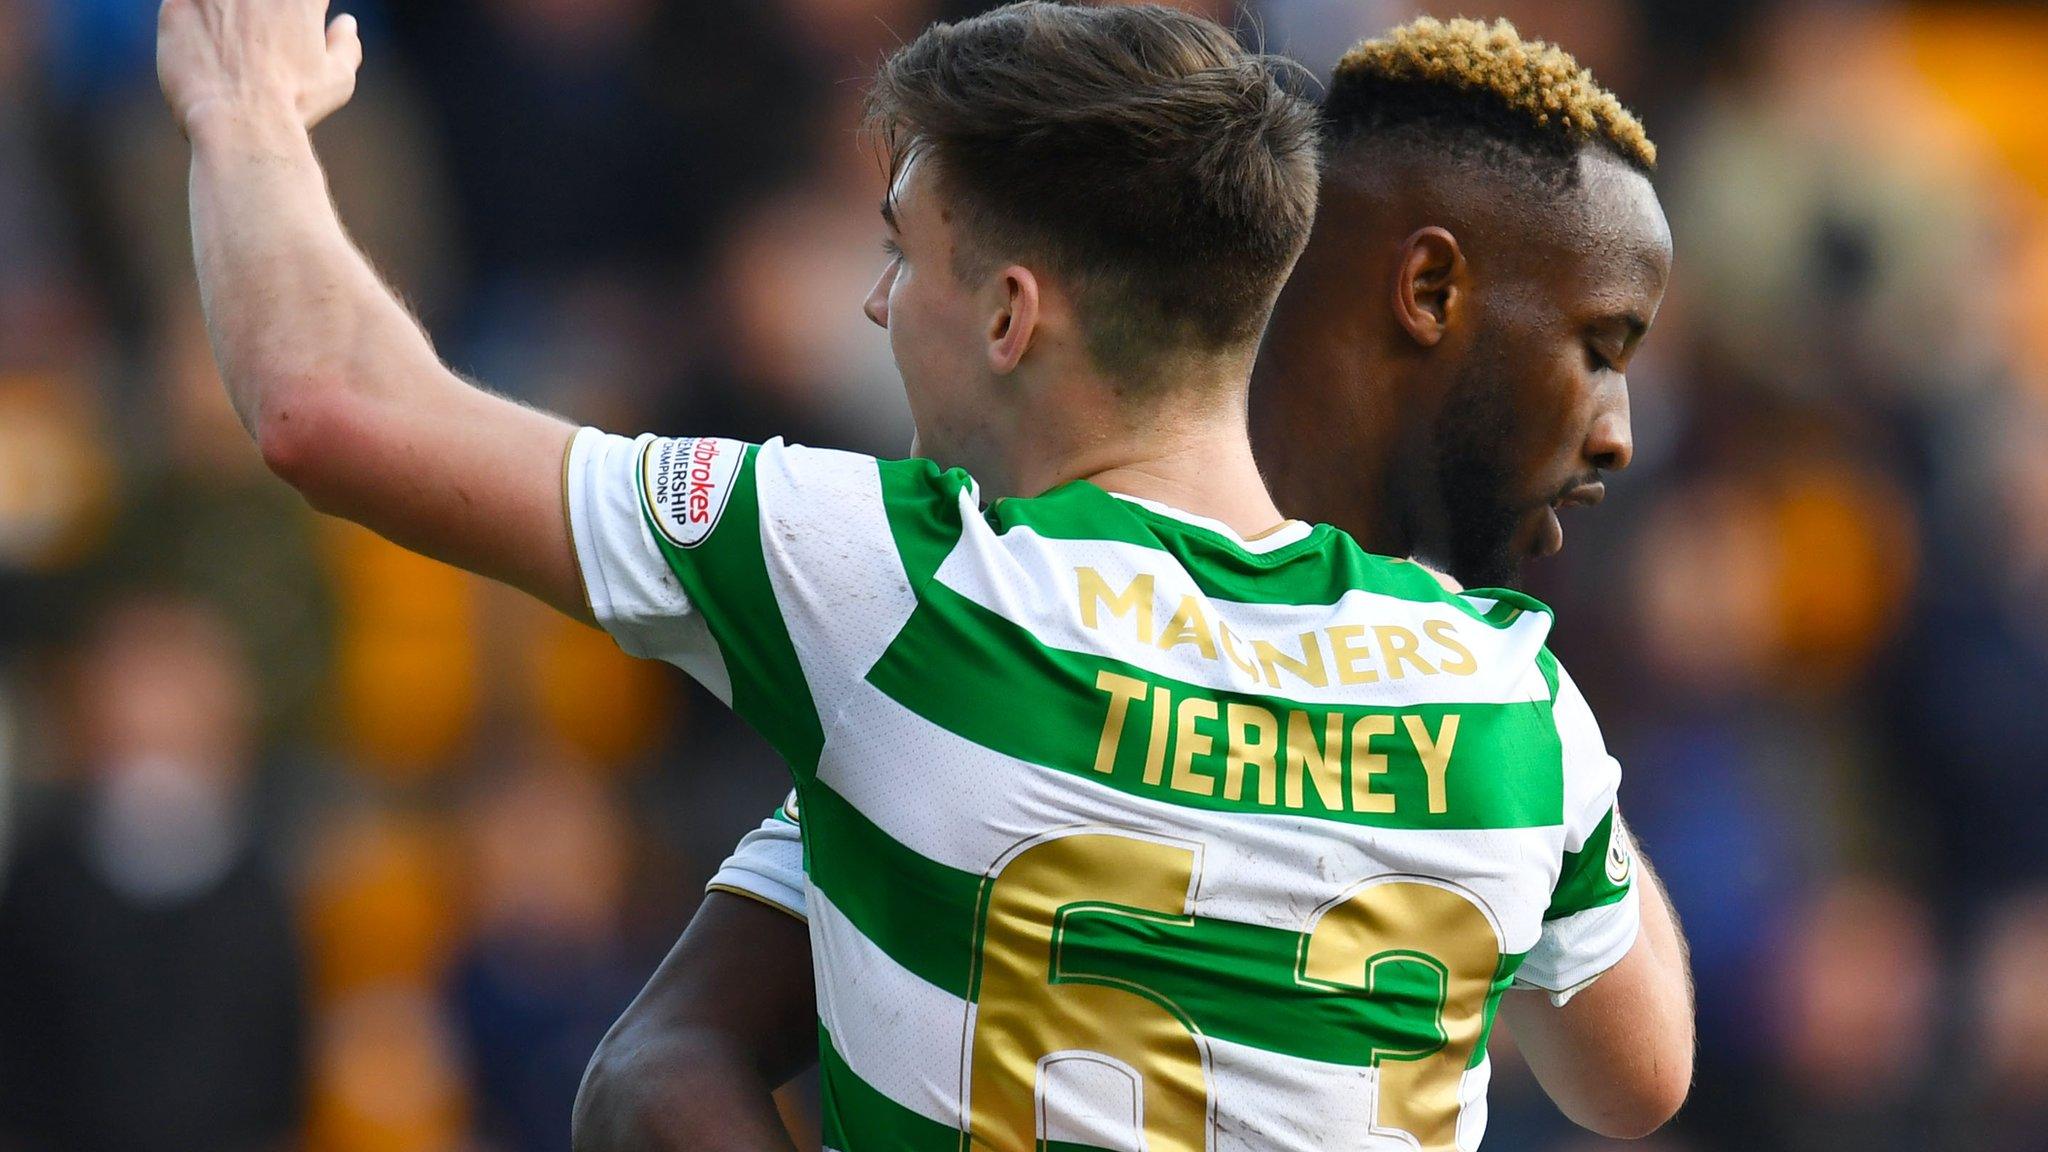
[
  {"x": 1141, "y": 154},
  {"x": 1481, "y": 94}
]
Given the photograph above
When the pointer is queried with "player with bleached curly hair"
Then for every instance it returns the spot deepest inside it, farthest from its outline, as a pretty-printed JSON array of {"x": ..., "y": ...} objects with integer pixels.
[{"x": 1443, "y": 372}]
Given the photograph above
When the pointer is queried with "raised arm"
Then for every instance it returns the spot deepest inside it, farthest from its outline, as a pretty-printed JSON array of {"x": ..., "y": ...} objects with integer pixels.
[
  {"x": 330, "y": 374},
  {"x": 1617, "y": 1057}
]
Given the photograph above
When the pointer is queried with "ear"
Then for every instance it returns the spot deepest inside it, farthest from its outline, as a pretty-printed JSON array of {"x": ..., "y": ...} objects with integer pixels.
[
  {"x": 1015, "y": 322},
  {"x": 1429, "y": 285}
]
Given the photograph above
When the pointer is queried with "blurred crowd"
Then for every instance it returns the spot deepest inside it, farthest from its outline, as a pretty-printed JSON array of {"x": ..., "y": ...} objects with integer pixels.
[{"x": 312, "y": 844}]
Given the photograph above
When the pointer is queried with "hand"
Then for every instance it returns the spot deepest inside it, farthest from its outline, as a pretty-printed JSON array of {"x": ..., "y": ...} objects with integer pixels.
[{"x": 217, "y": 57}]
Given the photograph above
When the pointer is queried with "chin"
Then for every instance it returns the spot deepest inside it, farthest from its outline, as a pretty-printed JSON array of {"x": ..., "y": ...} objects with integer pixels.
[
  {"x": 1505, "y": 572},
  {"x": 1488, "y": 554}
]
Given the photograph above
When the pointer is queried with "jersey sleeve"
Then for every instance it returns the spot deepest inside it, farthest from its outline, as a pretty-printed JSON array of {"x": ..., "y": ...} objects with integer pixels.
[
  {"x": 1594, "y": 911},
  {"x": 773, "y": 574},
  {"x": 768, "y": 865}
]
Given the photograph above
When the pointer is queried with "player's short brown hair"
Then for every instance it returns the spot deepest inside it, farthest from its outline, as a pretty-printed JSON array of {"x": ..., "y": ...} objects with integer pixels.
[
  {"x": 1141, "y": 154},
  {"x": 1477, "y": 91}
]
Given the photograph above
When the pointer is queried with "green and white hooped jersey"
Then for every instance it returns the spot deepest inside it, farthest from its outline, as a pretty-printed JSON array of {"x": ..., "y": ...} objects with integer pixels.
[{"x": 1120, "y": 831}]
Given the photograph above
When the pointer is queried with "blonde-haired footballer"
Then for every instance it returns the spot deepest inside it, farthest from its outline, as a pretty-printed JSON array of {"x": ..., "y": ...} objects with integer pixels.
[
  {"x": 1133, "y": 813},
  {"x": 1444, "y": 369}
]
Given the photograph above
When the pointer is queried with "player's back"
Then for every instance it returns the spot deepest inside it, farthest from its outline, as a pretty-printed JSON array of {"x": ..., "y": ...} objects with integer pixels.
[{"x": 1124, "y": 832}]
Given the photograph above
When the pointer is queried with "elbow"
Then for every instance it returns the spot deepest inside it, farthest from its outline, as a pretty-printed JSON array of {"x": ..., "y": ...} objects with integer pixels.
[
  {"x": 1637, "y": 1110},
  {"x": 643, "y": 1082},
  {"x": 592, "y": 1127},
  {"x": 300, "y": 440},
  {"x": 606, "y": 1114}
]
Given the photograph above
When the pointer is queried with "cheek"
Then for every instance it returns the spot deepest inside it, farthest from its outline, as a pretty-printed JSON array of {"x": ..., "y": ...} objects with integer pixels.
[
  {"x": 910, "y": 327},
  {"x": 1559, "y": 407},
  {"x": 1546, "y": 426}
]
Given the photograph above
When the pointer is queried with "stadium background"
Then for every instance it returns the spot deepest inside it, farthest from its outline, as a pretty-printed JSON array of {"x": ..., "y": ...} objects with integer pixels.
[{"x": 330, "y": 847}]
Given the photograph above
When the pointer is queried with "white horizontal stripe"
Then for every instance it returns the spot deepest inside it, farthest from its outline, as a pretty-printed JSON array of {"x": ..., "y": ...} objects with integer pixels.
[
  {"x": 901, "y": 1035},
  {"x": 1031, "y": 581},
  {"x": 964, "y": 806},
  {"x": 906, "y": 1039}
]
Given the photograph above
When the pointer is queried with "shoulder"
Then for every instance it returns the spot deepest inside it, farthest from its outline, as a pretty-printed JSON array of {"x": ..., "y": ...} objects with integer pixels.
[{"x": 1403, "y": 578}]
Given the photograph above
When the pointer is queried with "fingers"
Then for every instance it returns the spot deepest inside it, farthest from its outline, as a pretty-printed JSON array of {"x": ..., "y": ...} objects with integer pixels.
[
  {"x": 338, "y": 84},
  {"x": 345, "y": 42}
]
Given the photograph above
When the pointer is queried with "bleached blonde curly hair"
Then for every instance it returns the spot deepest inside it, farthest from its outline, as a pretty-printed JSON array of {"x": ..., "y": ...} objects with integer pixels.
[{"x": 1484, "y": 77}]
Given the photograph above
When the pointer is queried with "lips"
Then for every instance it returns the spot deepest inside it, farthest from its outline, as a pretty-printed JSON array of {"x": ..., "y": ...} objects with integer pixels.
[
  {"x": 1549, "y": 537},
  {"x": 1581, "y": 496}
]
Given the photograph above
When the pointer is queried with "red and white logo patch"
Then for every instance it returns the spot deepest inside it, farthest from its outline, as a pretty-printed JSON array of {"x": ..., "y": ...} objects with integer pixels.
[{"x": 688, "y": 482}]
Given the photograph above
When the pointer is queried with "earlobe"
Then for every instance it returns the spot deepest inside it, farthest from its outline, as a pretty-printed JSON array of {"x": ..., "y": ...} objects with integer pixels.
[
  {"x": 1016, "y": 320},
  {"x": 1429, "y": 284}
]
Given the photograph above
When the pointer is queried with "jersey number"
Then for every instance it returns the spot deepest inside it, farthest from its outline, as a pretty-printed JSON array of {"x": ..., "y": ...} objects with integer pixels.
[{"x": 1028, "y": 1017}]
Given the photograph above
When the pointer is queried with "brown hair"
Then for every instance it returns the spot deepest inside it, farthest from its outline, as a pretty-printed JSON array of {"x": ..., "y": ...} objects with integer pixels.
[{"x": 1140, "y": 153}]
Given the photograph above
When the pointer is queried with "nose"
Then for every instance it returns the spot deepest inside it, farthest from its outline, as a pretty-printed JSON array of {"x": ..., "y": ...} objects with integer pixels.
[
  {"x": 877, "y": 304},
  {"x": 1610, "y": 443}
]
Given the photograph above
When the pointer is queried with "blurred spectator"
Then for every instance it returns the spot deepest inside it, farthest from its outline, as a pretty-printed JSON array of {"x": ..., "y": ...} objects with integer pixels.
[
  {"x": 794, "y": 274},
  {"x": 1983, "y": 627},
  {"x": 547, "y": 970},
  {"x": 1857, "y": 1024},
  {"x": 57, "y": 494},
  {"x": 217, "y": 526},
  {"x": 2006, "y": 1109},
  {"x": 653, "y": 120},
  {"x": 149, "y": 975},
  {"x": 381, "y": 911},
  {"x": 42, "y": 309}
]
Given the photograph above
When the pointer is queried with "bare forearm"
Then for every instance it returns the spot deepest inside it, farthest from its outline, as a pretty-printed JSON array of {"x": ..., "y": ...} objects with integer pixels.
[
  {"x": 296, "y": 315},
  {"x": 1667, "y": 943},
  {"x": 1618, "y": 1058},
  {"x": 341, "y": 388}
]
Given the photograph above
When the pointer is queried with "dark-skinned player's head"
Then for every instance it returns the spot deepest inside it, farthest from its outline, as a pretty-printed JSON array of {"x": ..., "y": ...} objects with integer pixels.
[{"x": 1446, "y": 367}]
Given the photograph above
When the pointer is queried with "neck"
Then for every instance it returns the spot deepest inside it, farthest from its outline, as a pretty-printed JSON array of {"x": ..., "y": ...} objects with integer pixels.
[
  {"x": 1329, "y": 422},
  {"x": 1190, "y": 456}
]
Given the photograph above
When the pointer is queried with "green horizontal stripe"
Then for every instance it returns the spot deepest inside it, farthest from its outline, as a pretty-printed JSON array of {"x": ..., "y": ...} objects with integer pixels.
[
  {"x": 856, "y": 1117},
  {"x": 1235, "y": 981},
  {"x": 1583, "y": 884},
  {"x": 922, "y": 913},
  {"x": 726, "y": 577},
  {"x": 1318, "y": 569},
  {"x": 954, "y": 659}
]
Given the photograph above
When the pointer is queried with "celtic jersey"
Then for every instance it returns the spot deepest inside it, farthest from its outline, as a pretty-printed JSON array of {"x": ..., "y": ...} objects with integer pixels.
[{"x": 1120, "y": 831}]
